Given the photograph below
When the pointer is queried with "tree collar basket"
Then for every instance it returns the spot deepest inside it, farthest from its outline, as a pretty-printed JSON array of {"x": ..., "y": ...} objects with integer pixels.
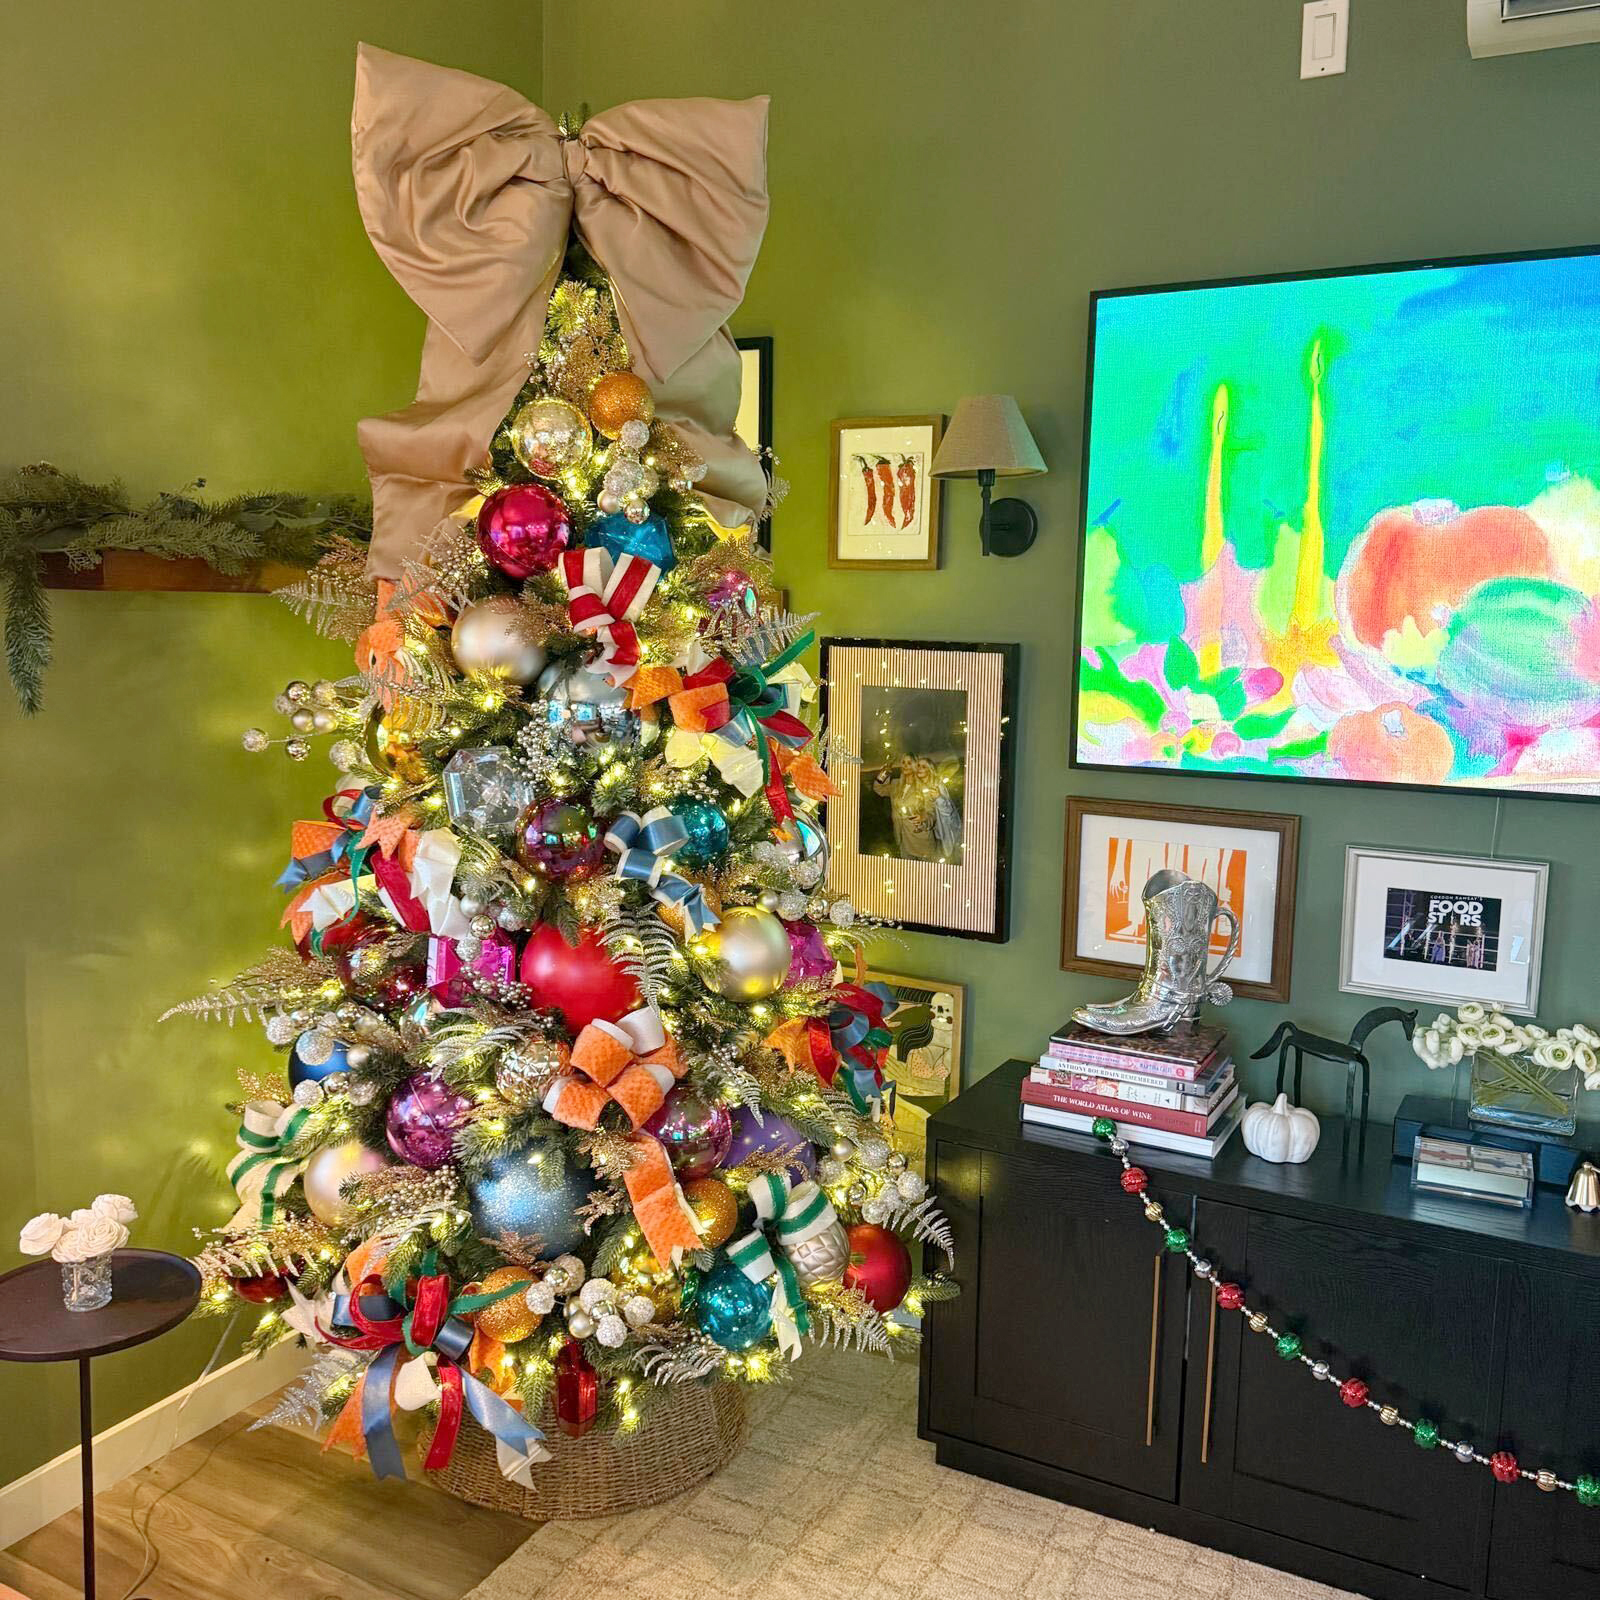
[{"x": 689, "y": 1433}]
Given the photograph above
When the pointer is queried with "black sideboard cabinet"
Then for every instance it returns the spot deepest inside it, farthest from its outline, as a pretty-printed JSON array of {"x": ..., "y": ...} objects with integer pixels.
[{"x": 1085, "y": 1363}]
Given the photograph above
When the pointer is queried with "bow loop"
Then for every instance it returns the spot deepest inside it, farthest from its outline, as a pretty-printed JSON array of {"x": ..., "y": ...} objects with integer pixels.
[
  {"x": 262, "y": 1172},
  {"x": 787, "y": 1216},
  {"x": 644, "y": 846}
]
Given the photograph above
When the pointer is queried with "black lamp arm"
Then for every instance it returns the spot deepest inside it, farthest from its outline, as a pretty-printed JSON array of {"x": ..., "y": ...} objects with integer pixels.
[{"x": 985, "y": 488}]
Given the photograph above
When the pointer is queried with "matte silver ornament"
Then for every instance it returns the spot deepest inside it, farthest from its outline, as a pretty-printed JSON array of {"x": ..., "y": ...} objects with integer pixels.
[
  {"x": 748, "y": 954},
  {"x": 579, "y": 1323},
  {"x": 822, "y": 1257},
  {"x": 498, "y": 637},
  {"x": 329, "y": 1170}
]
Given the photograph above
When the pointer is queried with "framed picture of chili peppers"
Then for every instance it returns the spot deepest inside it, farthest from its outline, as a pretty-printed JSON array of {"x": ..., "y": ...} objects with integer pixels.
[
  {"x": 754, "y": 422},
  {"x": 883, "y": 505},
  {"x": 919, "y": 830}
]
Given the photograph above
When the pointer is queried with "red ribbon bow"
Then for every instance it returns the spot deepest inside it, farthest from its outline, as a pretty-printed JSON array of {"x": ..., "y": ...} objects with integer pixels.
[{"x": 603, "y": 598}]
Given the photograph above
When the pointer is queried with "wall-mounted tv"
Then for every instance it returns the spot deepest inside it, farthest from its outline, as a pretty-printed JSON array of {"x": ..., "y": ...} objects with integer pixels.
[{"x": 1346, "y": 527}]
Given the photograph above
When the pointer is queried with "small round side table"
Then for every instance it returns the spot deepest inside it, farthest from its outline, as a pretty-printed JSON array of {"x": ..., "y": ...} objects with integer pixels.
[{"x": 151, "y": 1292}]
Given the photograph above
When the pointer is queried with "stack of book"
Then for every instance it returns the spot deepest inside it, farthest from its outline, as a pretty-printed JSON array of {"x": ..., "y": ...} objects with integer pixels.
[{"x": 1175, "y": 1091}]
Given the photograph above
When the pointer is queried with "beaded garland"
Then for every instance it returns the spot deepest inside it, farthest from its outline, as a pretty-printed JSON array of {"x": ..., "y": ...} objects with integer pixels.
[{"x": 1353, "y": 1392}]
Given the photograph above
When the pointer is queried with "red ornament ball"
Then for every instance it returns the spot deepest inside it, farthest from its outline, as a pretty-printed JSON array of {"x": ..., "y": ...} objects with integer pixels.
[
  {"x": 523, "y": 529},
  {"x": 1135, "y": 1180},
  {"x": 1353, "y": 1392},
  {"x": 1230, "y": 1296},
  {"x": 880, "y": 1266},
  {"x": 1504, "y": 1467},
  {"x": 583, "y": 984},
  {"x": 261, "y": 1290}
]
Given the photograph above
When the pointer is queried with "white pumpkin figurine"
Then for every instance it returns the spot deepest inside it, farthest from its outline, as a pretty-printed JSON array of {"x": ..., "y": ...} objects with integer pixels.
[{"x": 1280, "y": 1132}]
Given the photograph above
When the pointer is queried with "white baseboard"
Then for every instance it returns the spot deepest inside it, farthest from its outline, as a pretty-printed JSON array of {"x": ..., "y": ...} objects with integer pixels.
[{"x": 48, "y": 1491}]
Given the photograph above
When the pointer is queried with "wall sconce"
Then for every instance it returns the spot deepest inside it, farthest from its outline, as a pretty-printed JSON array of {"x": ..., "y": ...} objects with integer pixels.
[{"x": 987, "y": 439}]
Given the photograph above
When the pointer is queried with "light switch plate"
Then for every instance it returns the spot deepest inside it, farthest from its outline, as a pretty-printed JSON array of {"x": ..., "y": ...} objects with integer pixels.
[{"x": 1324, "y": 37}]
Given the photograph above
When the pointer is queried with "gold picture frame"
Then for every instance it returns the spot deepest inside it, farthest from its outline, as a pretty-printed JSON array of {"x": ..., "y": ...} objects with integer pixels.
[
  {"x": 883, "y": 501},
  {"x": 923, "y": 1067}
]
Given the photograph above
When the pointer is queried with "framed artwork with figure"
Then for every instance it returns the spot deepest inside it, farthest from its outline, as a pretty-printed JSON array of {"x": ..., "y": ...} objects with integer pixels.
[
  {"x": 1249, "y": 858},
  {"x": 920, "y": 827},
  {"x": 883, "y": 501},
  {"x": 923, "y": 1069},
  {"x": 754, "y": 422}
]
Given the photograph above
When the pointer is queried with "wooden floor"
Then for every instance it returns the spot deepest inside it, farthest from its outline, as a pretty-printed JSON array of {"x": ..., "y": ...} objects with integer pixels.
[{"x": 268, "y": 1516}]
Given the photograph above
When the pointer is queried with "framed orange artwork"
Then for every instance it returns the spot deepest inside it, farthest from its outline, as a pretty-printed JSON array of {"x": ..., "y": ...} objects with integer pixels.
[{"x": 1250, "y": 858}]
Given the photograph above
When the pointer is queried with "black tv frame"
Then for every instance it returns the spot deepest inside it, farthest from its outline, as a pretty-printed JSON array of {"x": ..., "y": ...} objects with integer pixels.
[{"x": 1096, "y": 296}]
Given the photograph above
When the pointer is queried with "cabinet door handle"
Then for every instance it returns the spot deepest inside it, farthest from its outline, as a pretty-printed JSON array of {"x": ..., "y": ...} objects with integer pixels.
[
  {"x": 1155, "y": 1344},
  {"x": 1211, "y": 1363}
]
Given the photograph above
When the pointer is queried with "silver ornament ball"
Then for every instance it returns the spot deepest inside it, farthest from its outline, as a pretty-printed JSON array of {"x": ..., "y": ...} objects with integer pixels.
[
  {"x": 548, "y": 436},
  {"x": 498, "y": 637},
  {"x": 328, "y": 1171},
  {"x": 254, "y": 740},
  {"x": 748, "y": 954},
  {"x": 579, "y": 1323},
  {"x": 823, "y": 1256}
]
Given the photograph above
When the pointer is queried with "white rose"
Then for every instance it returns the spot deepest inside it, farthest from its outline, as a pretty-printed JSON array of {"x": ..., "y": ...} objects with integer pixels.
[
  {"x": 1518, "y": 1042},
  {"x": 1585, "y": 1058},
  {"x": 1471, "y": 1012},
  {"x": 1556, "y": 1054},
  {"x": 1493, "y": 1036},
  {"x": 40, "y": 1234},
  {"x": 1470, "y": 1036},
  {"x": 1534, "y": 1031},
  {"x": 82, "y": 1241},
  {"x": 1455, "y": 1051},
  {"x": 1586, "y": 1035},
  {"x": 116, "y": 1206}
]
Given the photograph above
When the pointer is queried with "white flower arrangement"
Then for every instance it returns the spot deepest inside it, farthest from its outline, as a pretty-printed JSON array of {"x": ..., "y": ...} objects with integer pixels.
[
  {"x": 93, "y": 1230},
  {"x": 1447, "y": 1040}
]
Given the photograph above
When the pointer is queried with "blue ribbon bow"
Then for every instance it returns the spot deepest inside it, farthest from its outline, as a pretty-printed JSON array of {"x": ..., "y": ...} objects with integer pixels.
[{"x": 644, "y": 847}]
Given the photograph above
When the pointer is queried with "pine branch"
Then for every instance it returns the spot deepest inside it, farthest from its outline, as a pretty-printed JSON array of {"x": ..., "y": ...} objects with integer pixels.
[{"x": 27, "y": 627}]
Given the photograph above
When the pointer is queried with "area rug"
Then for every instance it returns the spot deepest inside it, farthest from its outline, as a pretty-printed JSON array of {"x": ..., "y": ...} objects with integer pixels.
[{"x": 835, "y": 1498}]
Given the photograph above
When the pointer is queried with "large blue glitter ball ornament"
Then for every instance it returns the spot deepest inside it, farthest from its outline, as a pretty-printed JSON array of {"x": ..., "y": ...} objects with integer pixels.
[
  {"x": 303, "y": 1071},
  {"x": 730, "y": 1308},
  {"x": 707, "y": 828},
  {"x": 529, "y": 1199},
  {"x": 648, "y": 540}
]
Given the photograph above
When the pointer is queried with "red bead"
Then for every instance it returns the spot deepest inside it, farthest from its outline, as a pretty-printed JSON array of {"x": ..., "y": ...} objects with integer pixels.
[
  {"x": 1353, "y": 1392},
  {"x": 1135, "y": 1180},
  {"x": 263, "y": 1289},
  {"x": 1504, "y": 1466},
  {"x": 1230, "y": 1296}
]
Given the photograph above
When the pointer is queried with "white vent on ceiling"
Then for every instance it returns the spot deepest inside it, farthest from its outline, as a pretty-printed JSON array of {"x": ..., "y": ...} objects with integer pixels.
[{"x": 1501, "y": 27}]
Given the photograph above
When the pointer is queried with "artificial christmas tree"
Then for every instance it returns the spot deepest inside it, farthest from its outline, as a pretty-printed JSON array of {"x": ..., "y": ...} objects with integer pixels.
[{"x": 580, "y": 1104}]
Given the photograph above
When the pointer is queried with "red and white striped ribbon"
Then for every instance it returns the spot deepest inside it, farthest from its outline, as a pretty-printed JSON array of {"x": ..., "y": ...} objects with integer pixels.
[{"x": 603, "y": 598}]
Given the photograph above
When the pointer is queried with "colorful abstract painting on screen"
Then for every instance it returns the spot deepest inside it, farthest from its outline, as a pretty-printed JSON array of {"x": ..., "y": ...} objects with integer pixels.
[{"x": 1349, "y": 528}]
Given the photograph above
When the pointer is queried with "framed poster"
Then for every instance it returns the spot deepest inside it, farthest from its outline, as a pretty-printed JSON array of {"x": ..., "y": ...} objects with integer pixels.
[
  {"x": 923, "y": 1069},
  {"x": 754, "y": 422},
  {"x": 920, "y": 830},
  {"x": 1250, "y": 858},
  {"x": 1443, "y": 929},
  {"x": 883, "y": 505}
]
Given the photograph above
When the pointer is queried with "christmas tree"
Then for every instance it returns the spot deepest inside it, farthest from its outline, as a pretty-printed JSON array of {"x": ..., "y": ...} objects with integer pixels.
[{"x": 583, "y": 1093}]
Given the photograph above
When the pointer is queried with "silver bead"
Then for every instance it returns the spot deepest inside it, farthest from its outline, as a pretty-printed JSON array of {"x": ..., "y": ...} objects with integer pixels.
[
  {"x": 1463, "y": 1452},
  {"x": 636, "y": 511},
  {"x": 335, "y": 1082},
  {"x": 254, "y": 740},
  {"x": 297, "y": 749},
  {"x": 297, "y": 692},
  {"x": 471, "y": 905},
  {"x": 856, "y": 1193},
  {"x": 483, "y": 925},
  {"x": 357, "y": 1055},
  {"x": 1202, "y": 1268},
  {"x": 1319, "y": 1371},
  {"x": 1119, "y": 1145},
  {"x": 607, "y": 502},
  {"x": 579, "y": 1323},
  {"x": 324, "y": 721},
  {"x": 843, "y": 1149},
  {"x": 767, "y": 900},
  {"x": 302, "y": 721}
]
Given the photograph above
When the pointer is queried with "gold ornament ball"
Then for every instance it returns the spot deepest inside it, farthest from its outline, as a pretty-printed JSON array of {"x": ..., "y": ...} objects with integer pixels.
[
  {"x": 749, "y": 954},
  {"x": 1258, "y": 1322},
  {"x": 507, "y": 1320},
  {"x": 497, "y": 637},
  {"x": 396, "y": 749},
  {"x": 328, "y": 1171},
  {"x": 715, "y": 1209},
  {"x": 548, "y": 436},
  {"x": 620, "y": 398},
  {"x": 673, "y": 915}
]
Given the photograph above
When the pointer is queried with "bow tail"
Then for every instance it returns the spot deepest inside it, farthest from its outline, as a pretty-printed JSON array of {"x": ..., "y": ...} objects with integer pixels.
[{"x": 663, "y": 1215}]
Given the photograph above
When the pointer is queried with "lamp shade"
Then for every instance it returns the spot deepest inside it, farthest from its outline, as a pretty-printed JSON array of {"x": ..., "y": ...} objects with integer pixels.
[{"x": 987, "y": 434}]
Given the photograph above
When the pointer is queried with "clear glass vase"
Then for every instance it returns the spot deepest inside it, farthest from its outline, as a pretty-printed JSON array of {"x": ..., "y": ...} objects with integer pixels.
[
  {"x": 1514, "y": 1091},
  {"x": 86, "y": 1285}
]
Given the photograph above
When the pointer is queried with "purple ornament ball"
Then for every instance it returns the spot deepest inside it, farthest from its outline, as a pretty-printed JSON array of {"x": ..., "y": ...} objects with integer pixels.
[
  {"x": 751, "y": 1137},
  {"x": 523, "y": 529},
  {"x": 694, "y": 1131},
  {"x": 423, "y": 1118}
]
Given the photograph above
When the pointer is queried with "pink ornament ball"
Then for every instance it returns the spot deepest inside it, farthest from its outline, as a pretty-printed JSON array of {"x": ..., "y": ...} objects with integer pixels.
[
  {"x": 695, "y": 1131},
  {"x": 422, "y": 1120},
  {"x": 522, "y": 529}
]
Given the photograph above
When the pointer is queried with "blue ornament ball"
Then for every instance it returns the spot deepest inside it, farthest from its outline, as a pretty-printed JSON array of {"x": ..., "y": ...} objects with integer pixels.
[
  {"x": 731, "y": 1309},
  {"x": 531, "y": 1200},
  {"x": 301, "y": 1071},
  {"x": 707, "y": 828},
  {"x": 648, "y": 539}
]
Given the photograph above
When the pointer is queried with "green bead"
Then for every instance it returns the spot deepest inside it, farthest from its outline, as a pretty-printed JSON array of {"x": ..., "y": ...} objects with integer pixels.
[
  {"x": 1425, "y": 1434},
  {"x": 1588, "y": 1488},
  {"x": 1177, "y": 1240},
  {"x": 1103, "y": 1128},
  {"x": 1288, "y": 1346}
]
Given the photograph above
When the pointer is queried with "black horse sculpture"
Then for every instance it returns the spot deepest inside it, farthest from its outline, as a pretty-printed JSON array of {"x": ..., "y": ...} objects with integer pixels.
[{"x": 1291, "y": 1037}]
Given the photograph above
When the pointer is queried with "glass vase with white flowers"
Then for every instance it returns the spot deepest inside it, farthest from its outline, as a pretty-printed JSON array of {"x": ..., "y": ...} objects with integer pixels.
[
  {"x": 84, "y": 1243},
  {"x": 1523, "y": 1076}
]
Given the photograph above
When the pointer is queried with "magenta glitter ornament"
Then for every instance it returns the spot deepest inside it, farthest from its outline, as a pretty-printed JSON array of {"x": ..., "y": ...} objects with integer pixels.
[
  {"x": 557, "y": 839},
  {"x": 695, "y": 1132},
  {"x": 422, "y": 1120},
  {"x": 447, "y": 972},
  {"x": 811, "y": 958},
  {"x": 523, "y": 529}
]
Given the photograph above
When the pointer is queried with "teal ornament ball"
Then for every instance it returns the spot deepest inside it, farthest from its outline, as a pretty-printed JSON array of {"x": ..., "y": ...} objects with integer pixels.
[
  {"x": 707, "y": 828},
  {"x": 529, "y": 1199},
  {"x": 649, "y": 540},
  {"x": 730, "y": 1308}
]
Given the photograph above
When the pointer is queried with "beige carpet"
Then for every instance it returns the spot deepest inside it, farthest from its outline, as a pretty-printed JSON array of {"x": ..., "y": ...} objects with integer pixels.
[{"x": 835, "y": 1498}]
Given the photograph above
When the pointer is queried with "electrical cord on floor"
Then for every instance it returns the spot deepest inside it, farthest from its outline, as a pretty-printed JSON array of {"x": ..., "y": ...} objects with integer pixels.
[{"x": 149, "y": 1551}]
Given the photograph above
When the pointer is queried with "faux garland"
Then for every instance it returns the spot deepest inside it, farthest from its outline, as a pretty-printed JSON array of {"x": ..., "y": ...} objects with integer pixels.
[
  {"x": 1353, "y": 1392},
  {"x": 44, "y": 511}
]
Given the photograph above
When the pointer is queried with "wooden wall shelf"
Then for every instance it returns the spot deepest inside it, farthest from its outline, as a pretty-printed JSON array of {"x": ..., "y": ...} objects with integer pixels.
[{"x": 130, "y": 571}]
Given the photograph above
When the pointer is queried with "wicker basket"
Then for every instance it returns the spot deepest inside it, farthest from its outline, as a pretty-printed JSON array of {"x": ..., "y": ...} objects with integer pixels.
[{"x": 691, "y": 1432}]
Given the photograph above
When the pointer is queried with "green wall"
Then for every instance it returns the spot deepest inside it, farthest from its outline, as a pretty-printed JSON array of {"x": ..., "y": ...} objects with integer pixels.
[
  {"x": 187, "y": 293},
  {"x": 949, "y": 182}
]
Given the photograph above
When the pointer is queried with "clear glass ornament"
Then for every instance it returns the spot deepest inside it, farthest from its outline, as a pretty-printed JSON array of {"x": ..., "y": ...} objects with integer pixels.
[{"x": 485, "y": 790}]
